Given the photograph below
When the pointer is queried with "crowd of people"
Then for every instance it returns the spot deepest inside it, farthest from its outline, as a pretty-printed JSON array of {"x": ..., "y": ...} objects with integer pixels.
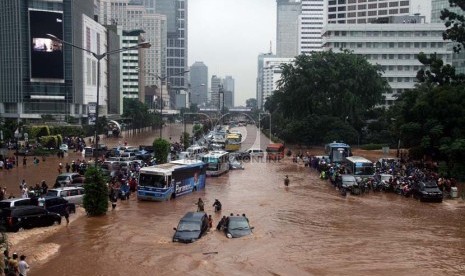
[
  {"x": 404, "y": 174},
  {"x": 13, "y": 265}
]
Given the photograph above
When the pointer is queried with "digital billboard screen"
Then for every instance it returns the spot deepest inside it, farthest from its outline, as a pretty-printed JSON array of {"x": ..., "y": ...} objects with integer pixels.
[{"x": 46, "y": 54}]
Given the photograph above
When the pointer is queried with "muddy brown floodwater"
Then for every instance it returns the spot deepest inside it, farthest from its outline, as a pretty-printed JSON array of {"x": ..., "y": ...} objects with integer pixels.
[{"x": 304, "y": 229}]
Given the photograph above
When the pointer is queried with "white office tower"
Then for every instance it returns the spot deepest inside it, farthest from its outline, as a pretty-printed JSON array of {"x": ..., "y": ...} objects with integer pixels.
[
  {"x": 269, "y": 72},
  {"x": 132, "y": 15},
  {"x": 287, "y": 27},
  {"x": 393, "y": 44},
  {"x": 312, "y": 20}
]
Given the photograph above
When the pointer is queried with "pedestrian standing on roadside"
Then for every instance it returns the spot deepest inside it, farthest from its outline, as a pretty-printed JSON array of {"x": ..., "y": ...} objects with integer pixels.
[
  {"x": 67, "y": 167},
  {"x": 22, "y": 185},
  {"x": 6, "y": 260},
  {"x": 60, "y": 168},
  {"x": 23, "y": 267},
  {"x": 24, "y": 161},
  {"x": 13, "y": 265}
]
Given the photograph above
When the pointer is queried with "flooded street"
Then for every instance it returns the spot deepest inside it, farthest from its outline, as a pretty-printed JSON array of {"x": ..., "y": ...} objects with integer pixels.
[{"x": 304, "y": 229}]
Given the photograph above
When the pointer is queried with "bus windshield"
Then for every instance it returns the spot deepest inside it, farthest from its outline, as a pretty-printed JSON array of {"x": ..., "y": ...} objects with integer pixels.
[
  {"x": 364, "y": 169},
  {"x": 152, "y": 180}
]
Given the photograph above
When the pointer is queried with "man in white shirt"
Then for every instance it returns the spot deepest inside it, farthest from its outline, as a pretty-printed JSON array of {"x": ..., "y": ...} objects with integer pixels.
[{"x": 23, "y": 266}]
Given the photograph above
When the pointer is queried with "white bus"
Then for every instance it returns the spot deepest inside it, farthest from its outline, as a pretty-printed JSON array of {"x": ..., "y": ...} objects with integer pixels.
[
  {"x": 217, "y": 162},
  {"x": 170, "y": 180},
  {"x": 359, "y": 166}
]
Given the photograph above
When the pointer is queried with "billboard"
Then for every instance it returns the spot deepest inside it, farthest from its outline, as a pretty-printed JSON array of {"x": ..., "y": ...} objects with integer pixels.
[
  {"x": 92, "y": 113},
  {"x": 46, "y": 63}
]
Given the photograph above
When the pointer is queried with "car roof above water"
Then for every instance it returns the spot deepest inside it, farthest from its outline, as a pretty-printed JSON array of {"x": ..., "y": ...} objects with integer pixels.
[{"x": 193, "y": 216}]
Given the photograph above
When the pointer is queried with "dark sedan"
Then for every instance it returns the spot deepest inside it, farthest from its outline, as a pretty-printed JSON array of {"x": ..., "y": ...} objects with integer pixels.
[
  {"x": 23, "y": 217},
  {"x": 427, "y": 191},
  {"x": 191, "y": 227},
  {"x": 237, "y": 226}
]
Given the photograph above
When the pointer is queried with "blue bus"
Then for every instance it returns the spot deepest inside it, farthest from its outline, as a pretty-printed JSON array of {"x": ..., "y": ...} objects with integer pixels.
[
  {"x": 170, "y": 180},
  {"x": 337, "y": 152}
]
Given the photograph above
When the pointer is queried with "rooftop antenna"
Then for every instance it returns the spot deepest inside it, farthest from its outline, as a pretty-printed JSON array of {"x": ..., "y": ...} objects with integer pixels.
[{"x": 271, "y": 47}]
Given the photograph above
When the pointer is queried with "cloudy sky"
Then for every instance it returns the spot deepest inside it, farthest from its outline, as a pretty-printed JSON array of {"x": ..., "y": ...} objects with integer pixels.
[{"x": 228, "y": 35}]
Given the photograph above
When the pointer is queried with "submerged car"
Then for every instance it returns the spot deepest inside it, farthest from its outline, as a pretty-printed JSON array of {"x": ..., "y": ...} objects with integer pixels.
[
  {"x": 237, "y": 226},
  {"x": 427, "y": 191},
  {"x": 191, "y": 227},
  {"x": 348, "y": 181}
]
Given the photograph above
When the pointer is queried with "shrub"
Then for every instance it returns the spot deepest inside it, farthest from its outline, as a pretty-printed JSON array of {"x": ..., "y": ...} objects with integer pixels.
[
  {"x": 161, "y": 148},
  {"x": 95, "y": 200}
]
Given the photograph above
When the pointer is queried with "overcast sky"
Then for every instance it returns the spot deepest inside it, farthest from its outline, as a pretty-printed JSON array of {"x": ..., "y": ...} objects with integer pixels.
[{"x": 228, "y": 35}]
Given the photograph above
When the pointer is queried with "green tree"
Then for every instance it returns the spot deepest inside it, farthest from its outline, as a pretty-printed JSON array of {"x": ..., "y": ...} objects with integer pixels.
[
  {"x": 161, "y": 148},
  {"x": 138, "y": 114},
  {"x": 325, "y": 92},
  {"x": 96, "y": 192},
  {"x": 251, "y": 103}
]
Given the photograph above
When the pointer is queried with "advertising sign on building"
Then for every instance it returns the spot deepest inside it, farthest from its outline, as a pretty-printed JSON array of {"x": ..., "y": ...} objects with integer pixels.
[
  {"x": 92, "y": 113},
  {"x": 46, "y": 53}
]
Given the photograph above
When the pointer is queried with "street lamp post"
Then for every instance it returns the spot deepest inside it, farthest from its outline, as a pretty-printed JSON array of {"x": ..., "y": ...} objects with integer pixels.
[{"x": 99, "y": 57}]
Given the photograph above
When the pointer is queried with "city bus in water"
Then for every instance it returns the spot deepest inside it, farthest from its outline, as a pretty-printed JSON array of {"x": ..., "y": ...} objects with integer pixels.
[
  {"x": 337, "y": 152},
  {"x": 233, "y": 142},
  {"x": 359, "y": 166},
  {"x": 169, "y": 180},
  {"x": 275, "y": 151},
  {"x": 217, "y": 162}
]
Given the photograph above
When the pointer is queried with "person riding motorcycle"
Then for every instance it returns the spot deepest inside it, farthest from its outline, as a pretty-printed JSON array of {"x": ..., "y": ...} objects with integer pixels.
[{"x": 217, "y": 205}]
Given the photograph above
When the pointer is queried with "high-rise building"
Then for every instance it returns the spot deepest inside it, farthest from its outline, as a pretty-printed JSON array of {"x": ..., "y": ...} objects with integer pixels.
[
  {"x": 361, "y": 11},
  {"x": 394, "y": 45},
  {"x": 228, "y": 88},
  {"x": 216, "y": 83},
  {"x": 269, "y": 72},
  {"x": 458, "y": 59},
  {"x": 312, "y": 19},
  {"x": 39, "y": 76},
  {"x": 133, "y": 16},
  {"x": 287, "y": 28},
  {"x": 198, "y": 83},
  {"x": 176, "y": 16}
]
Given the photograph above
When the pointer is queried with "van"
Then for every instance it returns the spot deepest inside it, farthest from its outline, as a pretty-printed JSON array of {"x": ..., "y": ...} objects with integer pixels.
[
  {"x": 256, "y": 153},
  {"x": 14, "y": 202},
  {"x": 66, "y": 179},
  {"x": 71, "y": 194}
]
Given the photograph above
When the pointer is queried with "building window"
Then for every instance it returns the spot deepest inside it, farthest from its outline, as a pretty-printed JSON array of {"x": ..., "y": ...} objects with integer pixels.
[
  {"x": 394, "y": 11},
  {"x": 404, "y": 10},
  {"x": 393, "y": 4},
  {"x": 382, "y": 12}
]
